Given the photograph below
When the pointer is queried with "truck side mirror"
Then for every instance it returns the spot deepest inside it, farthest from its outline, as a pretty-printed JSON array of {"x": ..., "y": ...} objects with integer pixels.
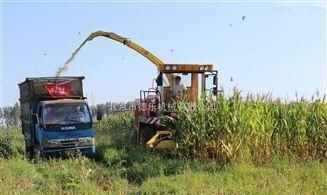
[
  {"x": 35, "y": 118},
  {"x": 215, "y": 80},
  {"x": 159, "y": 79},
  {"x": 99, "y": 115}
]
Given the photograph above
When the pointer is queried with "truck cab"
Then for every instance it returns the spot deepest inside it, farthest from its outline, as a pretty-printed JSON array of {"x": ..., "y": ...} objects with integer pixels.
[{"x": 55, "y": 116}]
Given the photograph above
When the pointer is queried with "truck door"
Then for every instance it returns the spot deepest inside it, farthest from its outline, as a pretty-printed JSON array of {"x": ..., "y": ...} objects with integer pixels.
[{"x": 37, "y": 125}]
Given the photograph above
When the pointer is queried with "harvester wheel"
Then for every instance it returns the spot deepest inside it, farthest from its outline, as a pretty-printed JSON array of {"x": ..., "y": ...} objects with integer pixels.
[
  {"x": 145, "y": 135},
  {"x": 143, "y": 138},
  {"x": 134, "y": 138}
]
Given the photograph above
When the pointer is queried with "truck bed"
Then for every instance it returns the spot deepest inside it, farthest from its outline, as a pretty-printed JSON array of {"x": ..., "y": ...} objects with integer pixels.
[{"x": 51, "y": 88}]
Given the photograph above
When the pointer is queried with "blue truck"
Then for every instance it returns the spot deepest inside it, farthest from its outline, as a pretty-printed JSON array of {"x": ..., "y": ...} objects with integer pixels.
[{"x": 55, "y": 116}]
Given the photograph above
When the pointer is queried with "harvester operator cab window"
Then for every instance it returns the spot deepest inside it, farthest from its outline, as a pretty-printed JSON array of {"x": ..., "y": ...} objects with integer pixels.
[
  {"x": 180, "y": 85},
  {"x": 178, "y": 88}
]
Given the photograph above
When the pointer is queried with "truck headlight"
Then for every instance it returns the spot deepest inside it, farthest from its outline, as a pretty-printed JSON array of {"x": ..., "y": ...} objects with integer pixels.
[
  {"x": 86, "y": 141},
  {"x": 51, "y": 143}
]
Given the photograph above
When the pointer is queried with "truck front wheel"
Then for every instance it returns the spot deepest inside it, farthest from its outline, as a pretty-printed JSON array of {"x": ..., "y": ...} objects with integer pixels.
[{"x": 29, "y": 150}]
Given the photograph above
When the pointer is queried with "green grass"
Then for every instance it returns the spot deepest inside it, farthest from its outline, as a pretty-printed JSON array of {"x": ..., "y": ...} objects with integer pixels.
[
  {"x": 57, "y": 176},
  {"x": 120, "y": 168},
  {"x": 82, "y": 175},
  {"x": 279, "y": 178}
]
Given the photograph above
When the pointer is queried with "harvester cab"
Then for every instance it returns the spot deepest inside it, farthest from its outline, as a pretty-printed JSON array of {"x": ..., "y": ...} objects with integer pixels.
[{"x": 194, "y": 77}]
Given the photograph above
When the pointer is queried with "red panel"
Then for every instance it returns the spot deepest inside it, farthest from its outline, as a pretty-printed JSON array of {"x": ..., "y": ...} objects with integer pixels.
[{"x": 58, "y": 89}]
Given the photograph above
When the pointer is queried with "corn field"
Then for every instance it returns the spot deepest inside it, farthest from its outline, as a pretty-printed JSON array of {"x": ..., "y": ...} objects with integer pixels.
[{"x": 252, "y": 129}]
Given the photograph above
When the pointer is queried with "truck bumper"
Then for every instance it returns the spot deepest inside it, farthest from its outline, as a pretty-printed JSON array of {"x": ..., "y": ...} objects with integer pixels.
[{"x": 61, "y": 151}]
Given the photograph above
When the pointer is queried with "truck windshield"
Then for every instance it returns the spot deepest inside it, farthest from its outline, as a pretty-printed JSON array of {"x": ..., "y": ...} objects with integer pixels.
[{"x": 66, "y": 113}]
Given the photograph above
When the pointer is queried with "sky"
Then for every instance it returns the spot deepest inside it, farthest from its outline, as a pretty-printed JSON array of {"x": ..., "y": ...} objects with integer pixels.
[{"x": 278, "y": 47}]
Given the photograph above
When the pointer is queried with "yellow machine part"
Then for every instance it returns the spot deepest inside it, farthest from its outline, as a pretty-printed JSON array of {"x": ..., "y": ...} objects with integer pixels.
[{"x": 161, "y": 140}]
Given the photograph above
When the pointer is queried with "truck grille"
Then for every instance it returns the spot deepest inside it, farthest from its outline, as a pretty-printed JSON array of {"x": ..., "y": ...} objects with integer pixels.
[{"x": 69, "y": 143}]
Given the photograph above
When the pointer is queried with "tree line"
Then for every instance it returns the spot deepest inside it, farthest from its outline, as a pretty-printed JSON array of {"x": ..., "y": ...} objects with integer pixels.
[{"x": 10, "y": 116}]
